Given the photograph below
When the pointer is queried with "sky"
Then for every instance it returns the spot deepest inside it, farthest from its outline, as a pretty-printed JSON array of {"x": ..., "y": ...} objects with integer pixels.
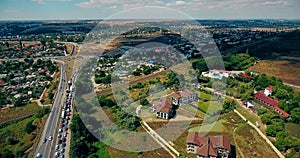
[{"x": 148, "y": 9}]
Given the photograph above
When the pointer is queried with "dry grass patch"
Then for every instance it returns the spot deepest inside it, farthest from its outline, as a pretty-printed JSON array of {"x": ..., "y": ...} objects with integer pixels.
[
  {"x": 282, "y": 69},
  {"x": 18, "y": 112}
]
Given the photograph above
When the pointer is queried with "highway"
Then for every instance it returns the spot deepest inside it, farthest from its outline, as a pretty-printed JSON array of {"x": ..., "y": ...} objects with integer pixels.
[{"x": 50, "y": 128}]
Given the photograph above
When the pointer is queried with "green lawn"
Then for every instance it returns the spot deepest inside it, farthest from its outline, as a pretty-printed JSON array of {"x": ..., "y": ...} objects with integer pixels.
[
  {"x": 293, "y": 129},
  {"x": 217, "y": 127},
  {"x": 209, "y": 107},
  {"x": 248, "y": 115}
]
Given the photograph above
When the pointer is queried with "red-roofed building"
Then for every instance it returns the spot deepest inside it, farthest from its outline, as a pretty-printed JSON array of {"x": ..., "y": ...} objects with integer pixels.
[
  {"x": 42, "y": 71},
  {"x": 212, "y": 146},
  {"x": 246, "y": 76},
  {"x": 163, "y": 108},
  {"x": 260, "y": 96},
  {"x": 183, "y": 97},
  {"x": 1, "y": 82}
]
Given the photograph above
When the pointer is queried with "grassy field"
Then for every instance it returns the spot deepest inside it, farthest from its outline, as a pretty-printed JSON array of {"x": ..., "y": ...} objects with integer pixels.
[
  {"x": 18, "y": 112},
  {"x": 217, "y": 127},
  {"x": 115, "y": 153},
  {"x": 251, "y": 117},
  {"x": 22, "y": 143},
  {"x": 293, "y": 129},
  {"x": 248, "y": 140},
  {"x": 282, "y": 69},
  {"x": 211, "y": 105},
  {"x": 251, "y": 144}
]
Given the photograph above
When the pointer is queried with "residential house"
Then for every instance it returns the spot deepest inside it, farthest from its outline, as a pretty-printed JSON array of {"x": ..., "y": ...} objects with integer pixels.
[
  {"x": 268, "y": 91},
  {"x": 208, "y": 147},
  {"x": 219, "y": 74},
  {"x": 183, "y": 97},
  {"x": 163, "y": 108}
]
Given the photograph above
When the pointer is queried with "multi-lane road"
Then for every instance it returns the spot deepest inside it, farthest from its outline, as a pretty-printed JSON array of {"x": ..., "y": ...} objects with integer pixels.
[{"x": 46, "y": 143}]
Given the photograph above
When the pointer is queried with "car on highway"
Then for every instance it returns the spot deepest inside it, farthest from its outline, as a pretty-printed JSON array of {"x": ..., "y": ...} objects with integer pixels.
[
  {"x": 63, "y": 145},
  {"x": 38, "y": 155},
  {"x": 63, "y": 139},
  {"x": 50, "y": 138},
  {"x": 45, "y": 140},
  {"x": 56, "y": 147},
  {"x": 57, "y": 154}
]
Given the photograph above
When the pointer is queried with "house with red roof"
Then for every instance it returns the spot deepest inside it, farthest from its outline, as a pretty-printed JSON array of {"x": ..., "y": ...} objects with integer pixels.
[
  {"x": 163, "y": 108},
  {"x": 42, "y": 71},
  {"x": 260, "y": 96},
  {"x": 208, "y": 147},
  {"x": 1, "y": 83},
  {"x": 268, "y": 91},
  {"x": 246, "y": 76},
  {"x": 183, "y": 97}
]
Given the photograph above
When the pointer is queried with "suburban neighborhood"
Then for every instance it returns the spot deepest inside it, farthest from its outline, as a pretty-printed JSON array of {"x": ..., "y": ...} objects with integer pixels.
[{"x": 169, "y": 79}]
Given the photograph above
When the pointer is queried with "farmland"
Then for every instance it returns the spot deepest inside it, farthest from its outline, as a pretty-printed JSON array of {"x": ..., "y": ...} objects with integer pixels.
[{"x": 282, "y": 69}]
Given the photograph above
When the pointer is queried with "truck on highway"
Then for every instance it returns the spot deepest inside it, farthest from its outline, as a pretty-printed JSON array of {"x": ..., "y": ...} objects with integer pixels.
[
  {"x": 71, "y": 88},
  {"x": 63, "y": 114}
]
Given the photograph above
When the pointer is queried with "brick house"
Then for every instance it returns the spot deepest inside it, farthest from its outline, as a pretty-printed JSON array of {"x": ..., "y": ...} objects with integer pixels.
[
  {"x": 183, "y": 97},
  {"x": 163, "y": 108},
  {"x": 260, "y": 96},
  {"x": 208, "y": 147}
]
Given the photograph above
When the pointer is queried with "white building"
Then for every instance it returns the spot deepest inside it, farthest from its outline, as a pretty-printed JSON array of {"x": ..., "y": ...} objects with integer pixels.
[
  {"x": 219, "y": 74},
  {"x": 268, "y": 91}
]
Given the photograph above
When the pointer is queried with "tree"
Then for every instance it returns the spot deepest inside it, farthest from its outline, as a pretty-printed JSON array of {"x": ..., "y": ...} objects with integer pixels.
[
  {"x": 43, "y": 42},
  {"x": 295, "y": 115},
  {"x": 271, "y": 130},
  {"x": 7, "y": 154},
  {"x": 30, "y": 127},
  {"x": 144, "y": 101},
  {"x": 229, "y": 105},
  {"x": 11, "y": 141},
  {"x": 281, "y": 94}
]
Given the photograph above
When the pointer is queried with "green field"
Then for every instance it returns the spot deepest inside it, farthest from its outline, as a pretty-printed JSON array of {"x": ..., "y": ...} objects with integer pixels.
[
  {"x": 217, "y": 127},
  {"x": 247, "y": 139},
  {"x": 20, "y": 141},
  {"x": 293, "y": 129},
  {"x": 209, "y": 107}
]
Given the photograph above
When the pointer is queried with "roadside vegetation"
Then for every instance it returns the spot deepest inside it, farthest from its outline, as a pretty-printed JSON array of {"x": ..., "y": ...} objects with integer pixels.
[{"x": 18, "y": 136}]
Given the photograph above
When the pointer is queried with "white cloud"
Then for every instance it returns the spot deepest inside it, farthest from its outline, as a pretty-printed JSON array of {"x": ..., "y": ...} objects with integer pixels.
[
  {"x": 113, "y": 7},
  {"x": 61, "y": 0},
  {"x": 275, "y": 3},
  {"x": 180, "y": 3},
  {"x": 96, "y": 3},
  {"x": 121, "y": 3},
  {"x": 10, "y": 11},
  {"x": 39, "y": 1}
]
